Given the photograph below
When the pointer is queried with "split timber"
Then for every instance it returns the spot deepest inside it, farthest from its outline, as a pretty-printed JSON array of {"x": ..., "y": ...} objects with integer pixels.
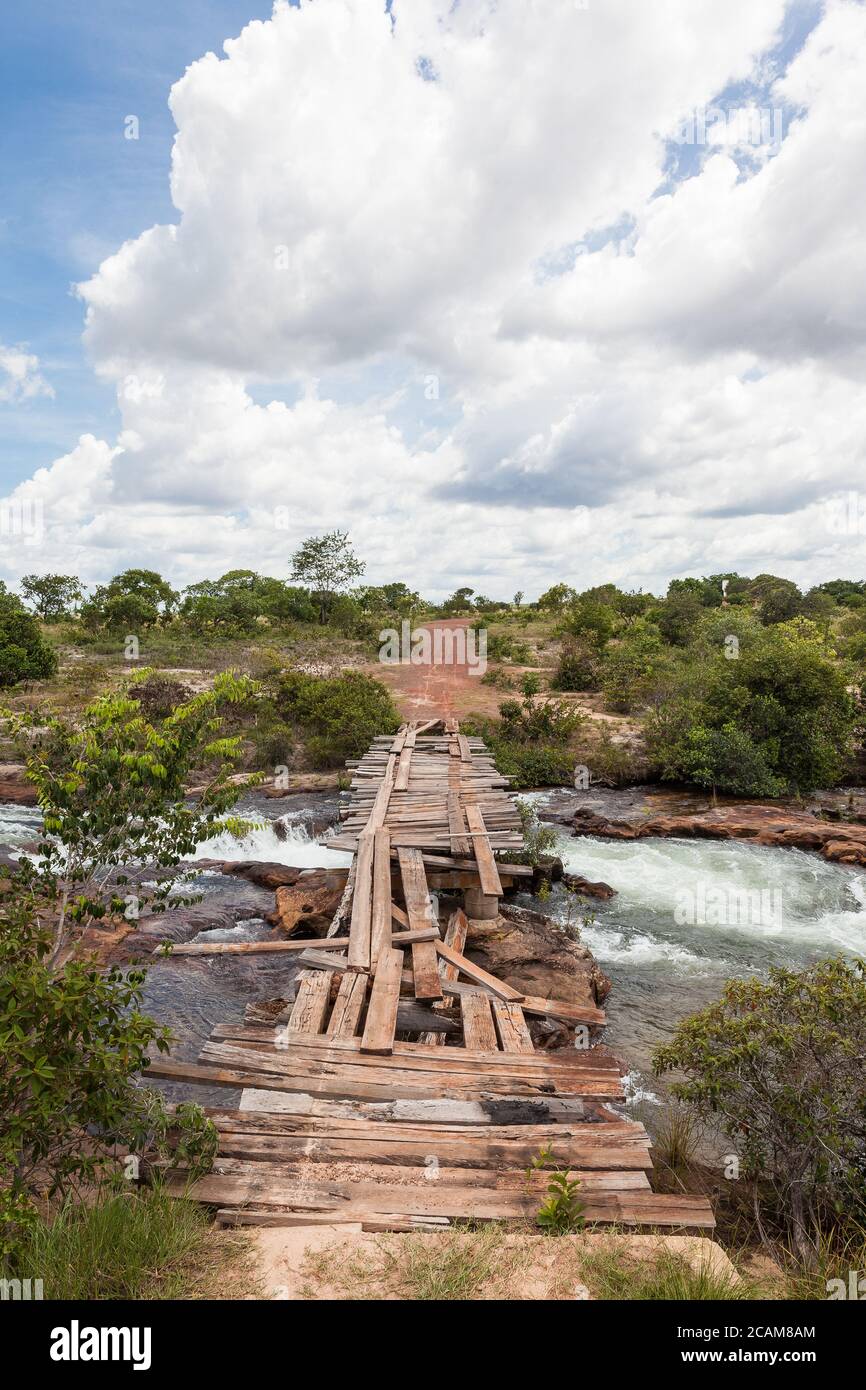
[{"x": 402, "y": 1089}]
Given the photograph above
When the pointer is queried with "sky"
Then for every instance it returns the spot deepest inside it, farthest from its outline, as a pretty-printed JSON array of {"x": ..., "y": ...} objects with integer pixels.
[{"x": 513, "y": 291}]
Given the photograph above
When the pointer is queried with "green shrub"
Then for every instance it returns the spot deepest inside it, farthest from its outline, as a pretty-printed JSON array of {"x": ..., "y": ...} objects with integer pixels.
[
  {"x": 778, "y": 1066},
  {"x": 24, "y": 653},
  {"x": 578, "y": 667},
  {"x": 339, "y": 715},
  {"x": 72, "y": 1041}
]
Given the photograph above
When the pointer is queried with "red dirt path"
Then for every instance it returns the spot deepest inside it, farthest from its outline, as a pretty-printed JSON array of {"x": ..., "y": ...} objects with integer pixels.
[{"x": 424, "y": 692}]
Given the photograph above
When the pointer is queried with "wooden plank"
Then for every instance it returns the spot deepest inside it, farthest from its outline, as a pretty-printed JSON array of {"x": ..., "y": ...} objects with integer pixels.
[
  {"x": 478, "y": 1030},
  {"x": 511, "y": 1027},
  {"x": 388, "y": 1078},
  {"x": 420, "y": 913},
  {"x": 455, "y": 937},
  {"x": 228, "y": 948},
  {"x": 476, "y": 974},
  {"x": 396, "y": 1089},
  {"x": 378, "y": 1036},
  {"x": 457, "y": 826},
  {"x": 359, "y": 930},
  {"x": 380, "y": 931},
  {"x": 549, "y": 1008},
  {"x": 463, "y": 745},
  {"x": 346, "y": 1013},
  {"x": 311, "y": 1003},
  {"x": 565, "y": 1063},
  {"x": 487, "y": 870},
  {"x": 544, "y": 1112}
]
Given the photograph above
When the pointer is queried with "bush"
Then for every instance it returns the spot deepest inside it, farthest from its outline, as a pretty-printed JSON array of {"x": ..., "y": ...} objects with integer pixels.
[
  {"x": 340, "y": 715},
  {"x": 532, "y": 765},
  {"x": 578, "y": 667},
  {"x": 24, "y": 653},
  {"x": 779, "y": 1066},
  {"x": 72, "y": 1042}
]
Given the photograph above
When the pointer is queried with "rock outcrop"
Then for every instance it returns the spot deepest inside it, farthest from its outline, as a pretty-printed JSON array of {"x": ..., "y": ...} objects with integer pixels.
[
  {"x": 761, "y": 824},
  {"x": 14, "y": 786},
  {"x": 531, "y": 953},
  {"x": 307, "y": 907}
]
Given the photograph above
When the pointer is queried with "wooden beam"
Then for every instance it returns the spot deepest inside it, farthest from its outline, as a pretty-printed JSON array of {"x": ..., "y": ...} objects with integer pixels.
[
  {"x": 477, "y": 975},
  {"x": 362, "y": 904},
  {"x": 380, "y": 930},
  {"x": 420, "y": 913},
  {"x": 378, "y": 1036}
]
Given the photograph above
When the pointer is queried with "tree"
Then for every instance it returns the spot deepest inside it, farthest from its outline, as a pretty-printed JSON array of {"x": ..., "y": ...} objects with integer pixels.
[
  {"x": 112, "y": 788},
  {"x": 778, "y": 1064},
  {"x": 326, "y": 564},
  {"x": 459, "y": 602},
  {"x": 554, "y": 599},
  {"x": 130, "y": 603},
  {"x": 52, "y": 595},
  {"x": 25, "y": 655},
  {"x": 770, "y": 715},
  {"x": 518, "y": 598}
]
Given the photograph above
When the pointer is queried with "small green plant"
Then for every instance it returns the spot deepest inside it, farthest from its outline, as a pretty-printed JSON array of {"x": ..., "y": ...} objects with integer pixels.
[
  {"x": 538, "y": 840},
  {"x": 562, "y": 1210}
]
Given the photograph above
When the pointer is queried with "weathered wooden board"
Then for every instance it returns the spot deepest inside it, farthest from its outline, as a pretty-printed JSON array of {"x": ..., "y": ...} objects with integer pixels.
[{"x": 378, "y": 1037}]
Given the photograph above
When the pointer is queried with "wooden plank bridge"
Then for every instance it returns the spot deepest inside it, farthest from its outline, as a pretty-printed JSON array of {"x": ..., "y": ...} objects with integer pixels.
[{"x": 402, "y": 1088}]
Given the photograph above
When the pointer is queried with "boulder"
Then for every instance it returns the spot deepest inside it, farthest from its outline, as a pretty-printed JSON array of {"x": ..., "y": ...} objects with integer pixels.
[
  {"x": 760, "y": 823},
  {"x": 531, "y": 953},
  {"x": 307, "y": 907},
  {"x": 263, "y": 872},
  {"x": 589, "y": 888},
  {"x": 14, "y": 786}
]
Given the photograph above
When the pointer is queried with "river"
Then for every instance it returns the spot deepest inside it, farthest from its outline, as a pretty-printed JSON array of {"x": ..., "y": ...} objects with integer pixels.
[{"x": 663, "y": 960}]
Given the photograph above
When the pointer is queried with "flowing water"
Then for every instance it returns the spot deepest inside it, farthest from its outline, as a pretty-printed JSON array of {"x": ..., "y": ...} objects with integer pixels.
[{"x": 690, "y": 914}]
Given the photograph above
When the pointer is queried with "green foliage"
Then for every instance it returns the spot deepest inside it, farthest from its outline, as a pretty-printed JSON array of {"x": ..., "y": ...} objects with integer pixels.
[
  {"x": 578, "y": 667},
  {"x": 554, "y": 599},
  {"x": 538, "y": 840},
  {"x": 72, "y": 1041},
  {"x": 778, "y": 1064},
  {"x": 131, "y": 603},
  {"x": 561, "y": 1213},
  {"x": 635, "y": 668},
  {"x": 538, "y": 721},
  {"x": 459, "y": 602},
  {"x": 139, "y": 1244},
  {"x": 112, "y": 789},
  {"x": 326, "y": 564},
  {"x": 235, "y": 604},
  {"x": 777, "y": 717},
  {"x": 340, "y": 715},
  {"x": 53, "y": 596},
  {"x": 24, "y": 653},
  {"x": 532, "y": 765}
]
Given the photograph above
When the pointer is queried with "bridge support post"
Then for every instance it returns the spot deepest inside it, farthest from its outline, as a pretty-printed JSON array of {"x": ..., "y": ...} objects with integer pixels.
[{"x": 482, "y": 906}]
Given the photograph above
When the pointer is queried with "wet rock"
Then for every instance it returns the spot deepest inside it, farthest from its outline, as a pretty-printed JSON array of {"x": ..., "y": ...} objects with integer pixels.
[
  {"x": 589, "y": 888},
  {"x": 757, "y": 822},
  {"x": 180, "y": 926},
  {"x": 14, "y": 786},
  {"x": 262, "y": 872},
  {"x": 307, "y": 907},
  {"x": 528, "y": 951},
  {"x": 548, "y": 869}
]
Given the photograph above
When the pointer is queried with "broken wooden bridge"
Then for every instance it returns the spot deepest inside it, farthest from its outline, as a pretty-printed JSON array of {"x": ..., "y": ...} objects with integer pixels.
[{"x": 402, "y": 1088}]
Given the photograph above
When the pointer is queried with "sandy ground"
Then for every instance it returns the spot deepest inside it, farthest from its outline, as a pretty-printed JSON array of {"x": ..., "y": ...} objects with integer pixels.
[{"x": 322, "y": 1262}]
